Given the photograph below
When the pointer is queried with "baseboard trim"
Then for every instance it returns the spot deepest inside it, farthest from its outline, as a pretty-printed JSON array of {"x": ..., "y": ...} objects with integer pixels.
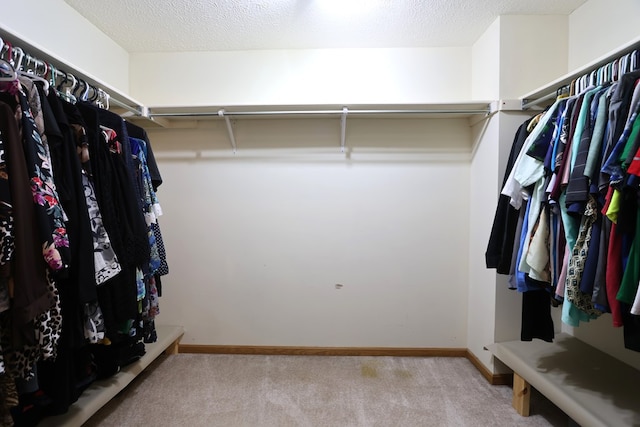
[
  {"x": 323, "y": 351},
  {"x": 493, "y": 379}
]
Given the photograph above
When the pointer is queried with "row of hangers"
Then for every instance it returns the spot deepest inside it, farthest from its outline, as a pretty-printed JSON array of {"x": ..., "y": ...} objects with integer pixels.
[
  {"x": 603, "y": 75},
  {"x": 15, "y": 62}
]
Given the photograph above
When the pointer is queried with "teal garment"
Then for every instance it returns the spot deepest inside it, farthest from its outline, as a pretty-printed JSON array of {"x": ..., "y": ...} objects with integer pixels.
[
  {"x": 595, "y": 147},
  {"x": 571, "y": 223},
  {"x": 578, "y": 263},
  {"x": 580, "y": 123},
  {"x": 571, "y": 315}
]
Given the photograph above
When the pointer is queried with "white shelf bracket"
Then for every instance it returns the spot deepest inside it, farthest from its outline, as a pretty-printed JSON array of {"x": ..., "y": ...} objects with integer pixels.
[
  {"x": 505, "y": 105},
  {"x": 232, "y": 138},
  {"x": 343, "y": 130}
]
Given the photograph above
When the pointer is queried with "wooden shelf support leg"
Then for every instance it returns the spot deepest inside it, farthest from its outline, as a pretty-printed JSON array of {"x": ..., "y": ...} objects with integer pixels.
[
  {"x": 521, "y": 395},
  {"x": 174, "y": 347}
]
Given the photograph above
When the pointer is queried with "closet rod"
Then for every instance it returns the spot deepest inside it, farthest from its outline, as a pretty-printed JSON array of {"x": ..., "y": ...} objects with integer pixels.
[
  {"x": 138, "y": 110},
  {"x": 526, "y": 104},
  {"x": 319, "y": 112}
]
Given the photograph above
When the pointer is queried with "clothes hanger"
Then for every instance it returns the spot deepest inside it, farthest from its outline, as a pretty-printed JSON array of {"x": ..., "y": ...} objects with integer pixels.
[
  {"x": 599, "y": 76},
  {"x": 624, "y": 64},
  {"x": 95, "y": 95},
  {"x": 81, "y": 90},
  {"x": 30, "y": 73},
  {"x": 607, "y": 72},
  {"x": 634, "y": 60},
  {"x": 8, "y": 76},
  {"x": 2, "y": 46},
  {"x": 572, "y": 87},
  {"x": 63, "y": 91},
  {"x": 584, "y": 82},
  {"x": 9, "y": 52},
  {"x": 19, "y": 56},
  {"x": 7, "y": 72},
  {"x": 106, "y": 97},
  {"x": 85, "y": 93},
  {"x": 75, "y": 86},
  {"x": 68, "y": 90},
  {"x": 103, "y": 99},
  {"x": 52, "y": 75}
]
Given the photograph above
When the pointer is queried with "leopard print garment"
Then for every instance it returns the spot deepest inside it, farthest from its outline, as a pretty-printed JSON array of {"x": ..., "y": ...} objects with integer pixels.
[
  {"x": 47, "y": 327},
  {"x": 7, "y": 244}
]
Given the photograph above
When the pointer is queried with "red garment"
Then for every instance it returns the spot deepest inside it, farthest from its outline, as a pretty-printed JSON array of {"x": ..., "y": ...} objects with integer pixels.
[
  {"x": 634, "y": 167},
  {"x": 607, "y": 201}
]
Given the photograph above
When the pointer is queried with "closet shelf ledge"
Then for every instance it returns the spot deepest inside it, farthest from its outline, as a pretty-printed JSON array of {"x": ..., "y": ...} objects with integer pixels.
[
  {"x": 548, "y": 91},
  {"x": 184, "y": 116},
  {"x": 122, "y": 103}
]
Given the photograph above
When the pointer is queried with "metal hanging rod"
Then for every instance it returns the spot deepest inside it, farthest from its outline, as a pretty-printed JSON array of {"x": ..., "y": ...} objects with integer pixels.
[
  {"x": 342, "y": 113},
  {"x": 526, "y": 104},
  {"x": 137, "y": 110},
  {"x": 318, "y": 112}
]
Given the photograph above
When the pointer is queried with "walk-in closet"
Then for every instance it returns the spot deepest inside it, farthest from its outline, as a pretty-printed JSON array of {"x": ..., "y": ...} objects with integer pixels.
[{"x": 294, "y": 179}]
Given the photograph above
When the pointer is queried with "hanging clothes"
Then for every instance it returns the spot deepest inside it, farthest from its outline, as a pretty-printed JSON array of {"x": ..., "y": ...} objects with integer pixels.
[
  {"x": 81, "y": 253},
  {"x": 576, "y": 176},
  {"x": 501, "y": 241}
]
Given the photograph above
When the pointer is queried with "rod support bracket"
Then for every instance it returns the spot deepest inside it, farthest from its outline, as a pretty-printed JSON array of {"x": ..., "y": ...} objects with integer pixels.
[
  {"x": 343, "y": 128},
  {"x": 232, "y": 138}
]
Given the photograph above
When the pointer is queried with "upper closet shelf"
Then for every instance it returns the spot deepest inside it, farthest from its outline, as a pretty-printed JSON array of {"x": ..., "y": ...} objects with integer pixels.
[
  {"x": 187, "y": 116},
  {"x": 174, "y": 116},
  {"x": 550, "y": 90},
  {"x": 183, "y": 117},
  {"x": 31, "y": 50}
]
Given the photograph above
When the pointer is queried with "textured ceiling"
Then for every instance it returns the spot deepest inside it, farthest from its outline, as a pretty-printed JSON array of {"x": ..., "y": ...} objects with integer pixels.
[{"x": 197, "y": 25}]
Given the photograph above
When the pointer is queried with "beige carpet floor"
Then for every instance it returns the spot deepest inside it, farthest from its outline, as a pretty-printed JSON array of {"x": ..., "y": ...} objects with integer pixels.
[{"x": 241, "y": 390}]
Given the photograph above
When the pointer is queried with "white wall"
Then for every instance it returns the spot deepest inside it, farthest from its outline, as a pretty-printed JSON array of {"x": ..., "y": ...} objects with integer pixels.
[
  {"x": 494, "y": 310},
  {"x": 54, "y": 27},
  {"x": 485, "y": 64},
  {"x": 508, "y": 302},
  {"x": 533, "y": 52},
  {"x": 484, "y": 170},
  {"x": 257, "y": 241},
  {"x": 517, "y": 54},
  {"x": 483, "y": 198},
  {"x": 506, "y": 63},
  {"x": 320, "y": 76},
  {"x": 601, "y": 26}
]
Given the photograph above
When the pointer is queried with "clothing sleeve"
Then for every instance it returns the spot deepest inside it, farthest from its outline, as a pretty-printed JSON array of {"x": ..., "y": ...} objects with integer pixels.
[
  {"x": 526, "y": 169},
  {"x": 503, "y": 232}
]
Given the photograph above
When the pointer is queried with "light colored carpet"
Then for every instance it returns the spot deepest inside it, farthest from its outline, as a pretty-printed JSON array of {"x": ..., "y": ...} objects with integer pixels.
[{"x": 241, "y": 390}]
